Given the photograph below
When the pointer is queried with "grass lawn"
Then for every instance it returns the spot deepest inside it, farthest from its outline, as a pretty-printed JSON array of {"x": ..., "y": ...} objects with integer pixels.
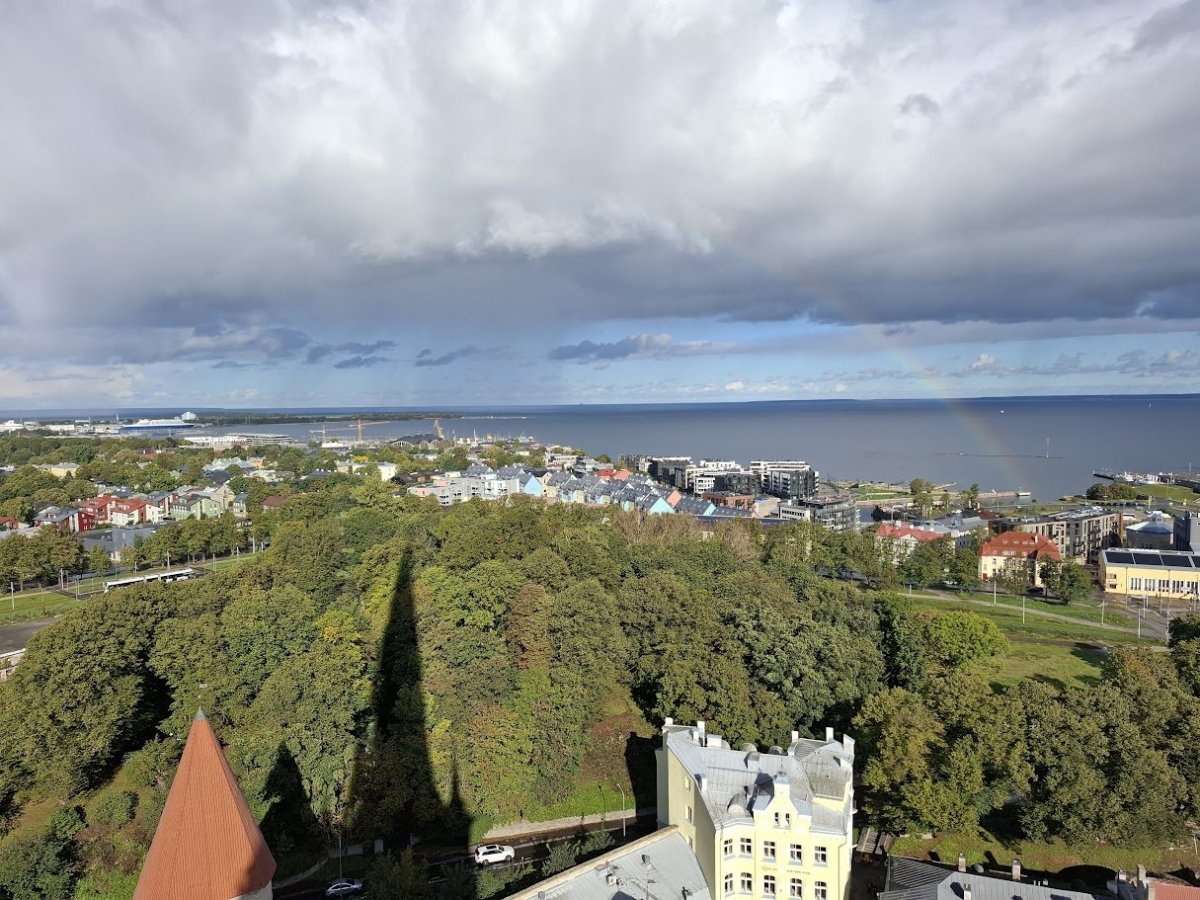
[
  {"x": 1048, "y": 858},
  {"x": 1084, "y": 609},
  {"x": 1063, "y": 666},
  {"x": 1035, "y": 627},
  {"x": 1168, "y": 492}
]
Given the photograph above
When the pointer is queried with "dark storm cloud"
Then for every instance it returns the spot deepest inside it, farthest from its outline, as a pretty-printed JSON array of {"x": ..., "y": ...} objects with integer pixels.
[
  {"x": 591, "y": 351},
  {"x": 360, "y": 362},
  {"x": 167, "y": 167},
  {"x": 426, "y": 357},
  {"x": 361, "y": 352}
]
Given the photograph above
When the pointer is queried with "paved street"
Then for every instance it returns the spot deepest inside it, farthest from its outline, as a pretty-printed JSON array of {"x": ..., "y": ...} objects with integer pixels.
[{"x": 14, "y": 637}]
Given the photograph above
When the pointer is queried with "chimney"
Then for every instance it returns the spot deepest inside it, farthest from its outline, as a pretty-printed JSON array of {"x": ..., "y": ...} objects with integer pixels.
[
  {"x": 1142, "y": 874},
  {"x": 1016, "y": 869},
  {"x": 702, "y": 780},
  {"x": 962, "y": 863},
  {"x": 828, "y": 733},
  {"x": 668, "y": 722},
  {"x": 700, "y": 729},
  {"x": 966, "y": 892}
]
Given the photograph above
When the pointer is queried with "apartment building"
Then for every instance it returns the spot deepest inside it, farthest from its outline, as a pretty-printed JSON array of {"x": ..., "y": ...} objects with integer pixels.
[
  {"x": 1013, "y": 549},
  {"x": 769, "y": 825},
  {"x": 786, "y": 478},
  {"x": 1078, "y": 534}
]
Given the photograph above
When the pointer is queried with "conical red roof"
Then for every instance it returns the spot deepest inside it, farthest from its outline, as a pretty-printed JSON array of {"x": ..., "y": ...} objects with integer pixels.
[{"x": 207, "y": 846}]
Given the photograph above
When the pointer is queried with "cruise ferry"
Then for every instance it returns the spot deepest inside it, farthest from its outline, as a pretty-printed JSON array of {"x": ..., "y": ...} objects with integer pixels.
[{"x": 175, "y": 424}]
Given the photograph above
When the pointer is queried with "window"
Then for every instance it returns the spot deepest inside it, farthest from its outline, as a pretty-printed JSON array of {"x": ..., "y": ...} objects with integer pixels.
[
  {"x": 796, "y": 853},
  {"x": 820, "y": 891},
  {"x": 747, "y": 883},
  {"x": 821, "y": 855},
  {"x": 783, "y": 820},
  {"x": 745, "y": 846},
  {"x": 689, "y": 814},
  {"x": 727, "y": 847},
  {"x": 769, "y": 850},
  {"x": 796, "y": 889},
  {"x": 729, "y": 883},
  {"x": 768, "y": 885}
]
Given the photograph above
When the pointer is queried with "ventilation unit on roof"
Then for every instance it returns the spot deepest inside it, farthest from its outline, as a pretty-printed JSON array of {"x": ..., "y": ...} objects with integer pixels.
[{"x": 776, "y": 751}]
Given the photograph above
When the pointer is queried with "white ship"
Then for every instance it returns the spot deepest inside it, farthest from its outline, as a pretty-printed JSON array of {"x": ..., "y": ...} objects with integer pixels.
[{"x": 187, "y": 420}]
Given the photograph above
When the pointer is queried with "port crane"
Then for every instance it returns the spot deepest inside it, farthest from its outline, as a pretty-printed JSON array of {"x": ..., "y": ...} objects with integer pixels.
[{"x": 356, "y": 426}]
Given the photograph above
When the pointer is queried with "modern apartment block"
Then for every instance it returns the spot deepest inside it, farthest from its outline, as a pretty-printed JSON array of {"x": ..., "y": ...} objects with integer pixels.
[
  {"x": 1079, "y": 534},
  {"x": 768, "y": 825},
  {"x": 828, "y": 508},
  {"x": 786, "y": 478}
]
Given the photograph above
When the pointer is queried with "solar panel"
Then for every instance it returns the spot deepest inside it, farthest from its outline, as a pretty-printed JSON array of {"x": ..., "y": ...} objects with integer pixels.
[
  {"x": 1119, "y": 556},
  {"x": 1147, "y": 559},
  {"x": 1178, "y": 560}
]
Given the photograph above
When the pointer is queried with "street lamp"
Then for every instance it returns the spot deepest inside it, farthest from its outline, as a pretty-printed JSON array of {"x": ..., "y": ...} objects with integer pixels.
[{"x": 622, "y": 790}]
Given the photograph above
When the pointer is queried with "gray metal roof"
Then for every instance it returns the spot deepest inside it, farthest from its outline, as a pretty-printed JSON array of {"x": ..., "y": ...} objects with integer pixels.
[
  {"x": 660, "y": 865},
  {"x": 911, "y": 879},
  {"x": 739, "y": 782}
]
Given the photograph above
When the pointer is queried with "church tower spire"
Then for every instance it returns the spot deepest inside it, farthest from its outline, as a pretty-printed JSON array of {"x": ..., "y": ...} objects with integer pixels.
[{"x": 207, "y": 845}]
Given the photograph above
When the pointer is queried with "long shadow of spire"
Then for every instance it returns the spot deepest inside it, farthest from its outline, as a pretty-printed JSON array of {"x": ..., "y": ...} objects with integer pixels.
[{"x": 394, "y": 794}]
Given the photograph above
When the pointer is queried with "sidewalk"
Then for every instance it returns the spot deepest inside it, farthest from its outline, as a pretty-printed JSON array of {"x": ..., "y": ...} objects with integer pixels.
[{"x": 524, "y": 829}]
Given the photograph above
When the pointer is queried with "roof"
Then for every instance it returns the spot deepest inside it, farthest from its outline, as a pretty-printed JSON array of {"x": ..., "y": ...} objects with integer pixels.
[
  {"x": 207, "y": 845},
  {"x": 1020, "y": 543},
  {"x": 739, "y": 782},
  {"x": 889, "y": 530},
  {"x": 910, "y": 879},
  {"x": 1150, "y": 559},
  {"x": 662, "y": 859}
]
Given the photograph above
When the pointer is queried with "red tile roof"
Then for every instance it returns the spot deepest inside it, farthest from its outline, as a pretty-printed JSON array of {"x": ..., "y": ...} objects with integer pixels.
[
  {"x": 1020, "y": 543},
  {"x": 207, "y": 845},
  {"x": 1164, "y": 890},
  {"x": 889, "y": 530}
]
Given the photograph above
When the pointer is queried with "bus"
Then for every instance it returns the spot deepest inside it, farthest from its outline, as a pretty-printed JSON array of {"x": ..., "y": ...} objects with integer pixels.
[{"x": 169, "y": 575}]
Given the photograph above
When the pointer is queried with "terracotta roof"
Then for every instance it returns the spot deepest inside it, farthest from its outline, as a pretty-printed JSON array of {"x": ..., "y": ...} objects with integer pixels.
[
  {"x": 1020, "y": 543},
  {"x": 900, "y": 531},
  {"x": 207, "y": 845}
]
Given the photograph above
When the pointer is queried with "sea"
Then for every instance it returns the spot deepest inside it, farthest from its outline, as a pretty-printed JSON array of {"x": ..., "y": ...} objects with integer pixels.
[{"x": 1048, "y": 446}]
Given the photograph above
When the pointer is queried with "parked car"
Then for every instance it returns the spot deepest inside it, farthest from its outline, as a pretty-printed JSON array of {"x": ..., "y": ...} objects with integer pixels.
[
  {"x": 344, "y": 887},
  {"x": 493, "y": 853}
]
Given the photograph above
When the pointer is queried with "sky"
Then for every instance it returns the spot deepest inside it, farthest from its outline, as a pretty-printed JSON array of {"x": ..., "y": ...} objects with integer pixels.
[{"x": 522, "y": 202}]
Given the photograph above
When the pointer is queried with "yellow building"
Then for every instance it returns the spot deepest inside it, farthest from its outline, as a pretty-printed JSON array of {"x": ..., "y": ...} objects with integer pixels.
[
  {"x": 1150, "y": 573},
  {"x": 775, "y": 825}
]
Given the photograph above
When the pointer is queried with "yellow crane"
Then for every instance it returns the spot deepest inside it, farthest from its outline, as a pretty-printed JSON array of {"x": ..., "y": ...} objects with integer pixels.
[{"x": 356, "y": 426}]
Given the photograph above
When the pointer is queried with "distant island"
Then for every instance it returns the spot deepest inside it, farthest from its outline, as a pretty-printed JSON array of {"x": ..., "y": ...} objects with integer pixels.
[{"x": 260, "y": 418}]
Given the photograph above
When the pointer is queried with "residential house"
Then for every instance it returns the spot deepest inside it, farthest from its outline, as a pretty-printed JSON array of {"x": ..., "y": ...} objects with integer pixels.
[
  {"x": 129, "y": 511},
  {"x": 772, "y": 824},
  {"x": 98, "y": 508},
  {"x": 115, "y": 542},
  {"x": 275, "y": 501},
  {"x": 184, "y": 506},
  {"x": 694, "y": 506},
  {"x": 9, "y": 523},
  {"x": 64, "y": 519},
  {"x": 903, "y": 539},
  {"x": 1013, "y": 549},
  {"x": 238, "y": 506}
]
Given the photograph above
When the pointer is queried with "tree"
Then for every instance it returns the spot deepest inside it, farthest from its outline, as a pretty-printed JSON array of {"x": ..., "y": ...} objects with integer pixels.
[
  {"x": 922, "y": 494},
  {"x": 960, "y": 639},
  {"x": 1067, "y": 580},
  {"x": 970, "y": 497},
  {"x": 98, "y": 561},
  {"x": 1110, "y": 491}
]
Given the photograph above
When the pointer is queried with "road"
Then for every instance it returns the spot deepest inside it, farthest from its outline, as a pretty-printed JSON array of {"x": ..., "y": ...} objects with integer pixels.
[
  {"x": 530, "y": 849},
  {"x": 14, "y": 637}
]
